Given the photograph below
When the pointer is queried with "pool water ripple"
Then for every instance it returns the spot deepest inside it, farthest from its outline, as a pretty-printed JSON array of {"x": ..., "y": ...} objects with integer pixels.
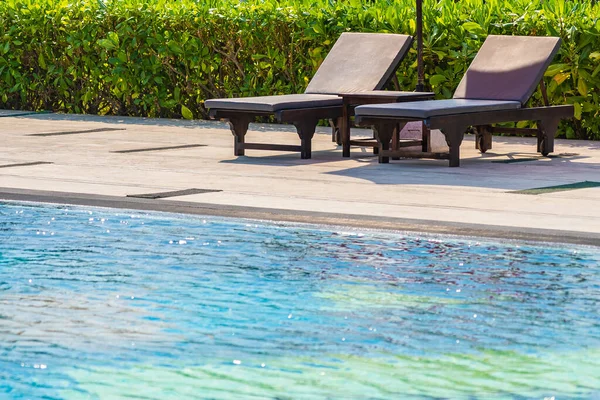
[{"x": 105, "y": 304}]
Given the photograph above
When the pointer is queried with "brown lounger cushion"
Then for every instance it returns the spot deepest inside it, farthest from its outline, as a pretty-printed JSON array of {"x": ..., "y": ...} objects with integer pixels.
[
  {"x": 359, "y": 62},
  {"x": 432, "y": 108},
  {"x": 273, "y": 104},
  {"x": 507, "y": 68}
]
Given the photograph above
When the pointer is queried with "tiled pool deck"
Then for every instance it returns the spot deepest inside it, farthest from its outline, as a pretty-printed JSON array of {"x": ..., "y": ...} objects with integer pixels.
[{"x": 101, "y": 160}]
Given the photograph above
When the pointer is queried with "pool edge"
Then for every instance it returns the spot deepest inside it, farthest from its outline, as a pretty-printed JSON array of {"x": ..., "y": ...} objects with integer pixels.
[{"x": 307, "y": 217}]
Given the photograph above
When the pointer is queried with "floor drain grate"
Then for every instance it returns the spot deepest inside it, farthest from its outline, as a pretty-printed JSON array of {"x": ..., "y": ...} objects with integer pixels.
[
  {"x": 77, "y": 132},
  {"x": 518, "y": 160},
  {"x": 515, "y": 160},
  {"x": 558, "y": 188},
  {"x": 175, "y": 193},
  {"x": 568, "y": 154},
  {"x": 185, "y": 146},
  {"x": 25, "y": 164}
]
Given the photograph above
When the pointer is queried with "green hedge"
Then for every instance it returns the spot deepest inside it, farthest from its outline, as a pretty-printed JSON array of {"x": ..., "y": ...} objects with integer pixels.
[{"x": 162, "y": 58}]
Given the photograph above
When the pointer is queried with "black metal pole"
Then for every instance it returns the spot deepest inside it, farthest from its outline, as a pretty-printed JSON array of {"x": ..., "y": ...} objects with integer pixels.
[{"x": 420, "y": 70}]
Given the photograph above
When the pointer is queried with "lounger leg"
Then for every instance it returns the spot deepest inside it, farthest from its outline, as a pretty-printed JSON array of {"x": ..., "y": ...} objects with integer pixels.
[
  {"x": 545, "y": 135},
  {"x": 336, "y": 125},
  {"x": 239, "y": 127},
  {"x": 396, "y": 139},
  {"x": 454, "y": 137},
  {"x": 339, "y": 126},
  {"x": 345, "y": 129},
  {"x": 483, "y": 138},
  {"x": 426, "y": 138},
  {"x": 383, "y": 133},
  {"x": 306, "y": 131}
]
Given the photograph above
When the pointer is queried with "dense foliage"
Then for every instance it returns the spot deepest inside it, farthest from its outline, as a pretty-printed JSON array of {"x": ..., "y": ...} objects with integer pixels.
[{"x": 164, "y": 57}]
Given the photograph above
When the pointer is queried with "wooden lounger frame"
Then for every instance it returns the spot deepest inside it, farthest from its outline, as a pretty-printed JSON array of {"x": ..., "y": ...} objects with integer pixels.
[
  {"x": 483, "y": 133},
  {"x": 454, "y": 126},
  {"x": 304, "y": 119}
]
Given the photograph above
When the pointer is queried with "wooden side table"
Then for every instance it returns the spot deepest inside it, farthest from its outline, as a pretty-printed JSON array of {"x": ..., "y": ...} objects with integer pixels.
[{"x": 351, "y": 100}]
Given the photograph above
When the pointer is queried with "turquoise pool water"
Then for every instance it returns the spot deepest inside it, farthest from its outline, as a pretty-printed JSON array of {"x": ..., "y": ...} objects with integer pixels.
[{"x": 105, "y": 304}]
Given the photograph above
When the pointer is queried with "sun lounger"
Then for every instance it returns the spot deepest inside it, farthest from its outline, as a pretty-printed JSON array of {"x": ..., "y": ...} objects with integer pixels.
[
  {"x": 357, "y": 62},
  {"x": 495, "y": 88}
]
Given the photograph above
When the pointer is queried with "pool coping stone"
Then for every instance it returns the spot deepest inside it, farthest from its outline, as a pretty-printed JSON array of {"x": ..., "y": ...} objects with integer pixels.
[{"x": 304, "y": 217}]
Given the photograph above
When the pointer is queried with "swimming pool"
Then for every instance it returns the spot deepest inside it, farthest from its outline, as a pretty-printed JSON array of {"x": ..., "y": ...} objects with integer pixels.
[{"x": 96, "y": 303}]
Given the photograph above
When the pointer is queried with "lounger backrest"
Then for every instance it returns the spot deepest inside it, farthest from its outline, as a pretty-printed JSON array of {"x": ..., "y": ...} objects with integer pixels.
[
  {"x": 507, "y": 68},
  {"x": 358, "y": 62}
]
